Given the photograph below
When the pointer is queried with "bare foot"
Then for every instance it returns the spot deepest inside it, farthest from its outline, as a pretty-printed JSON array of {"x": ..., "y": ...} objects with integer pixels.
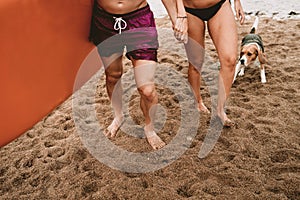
[
  {"x": 202, "y": 108},
  {"x": 113, "y": 128},
  {"x": 154, "y": 140},
  {"x": 225, "y": 120}
]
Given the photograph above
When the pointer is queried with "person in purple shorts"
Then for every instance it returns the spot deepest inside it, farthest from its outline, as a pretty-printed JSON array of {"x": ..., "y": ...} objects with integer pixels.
[{"x": 117, "y": 24}]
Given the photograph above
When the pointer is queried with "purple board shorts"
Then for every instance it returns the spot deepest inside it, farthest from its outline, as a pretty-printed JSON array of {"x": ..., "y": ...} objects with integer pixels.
[{"x": 135, "y": 30}]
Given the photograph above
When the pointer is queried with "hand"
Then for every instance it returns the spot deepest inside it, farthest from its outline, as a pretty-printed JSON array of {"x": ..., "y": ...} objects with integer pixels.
[
  {"x": 239, "y": 11},
  {"x": 180, "y": 29}
]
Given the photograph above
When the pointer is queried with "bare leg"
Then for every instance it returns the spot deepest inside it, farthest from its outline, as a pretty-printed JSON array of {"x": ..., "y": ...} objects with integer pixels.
[
  {"x": 222, "y": 28},
  {"x": 195, "y": 53},
  {"x": 194, "y": 78},
  {"x": 113, "y": 71},
  {"x": 144, "y": 77}
]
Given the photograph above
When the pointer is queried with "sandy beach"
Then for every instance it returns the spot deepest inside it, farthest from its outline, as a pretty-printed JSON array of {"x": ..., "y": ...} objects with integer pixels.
[{"x": 259, "y": 158}]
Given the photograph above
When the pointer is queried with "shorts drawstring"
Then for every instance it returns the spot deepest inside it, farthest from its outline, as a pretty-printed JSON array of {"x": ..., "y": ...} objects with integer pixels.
[{"x": 118, "y": 24}]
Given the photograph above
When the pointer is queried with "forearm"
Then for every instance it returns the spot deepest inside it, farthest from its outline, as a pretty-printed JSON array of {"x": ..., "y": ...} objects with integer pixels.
[
  {"x": 171, "y": 8},
  {"x": 176, "y": 11},
  {"x": 174, "y": 8},
  {"x": 239, "y": 11},
  {"x": 237, "y": 4},
  {"x": 180, "y": 8}
]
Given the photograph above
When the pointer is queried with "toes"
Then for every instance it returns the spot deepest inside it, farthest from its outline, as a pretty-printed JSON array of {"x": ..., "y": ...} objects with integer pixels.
[
  {"x": 113, "y": 128},
  {"x": 158, "y": 145},
  {"x": 111, "y": 131},
  {"x": 228, "y": 123},
  {"x": 107, "y": 133},
  {"x": 225, "y": 121},
  {"x": 203, "y": 108},
  {"x": 156, "y": 142},
  {"x": 161, "y": 145}
]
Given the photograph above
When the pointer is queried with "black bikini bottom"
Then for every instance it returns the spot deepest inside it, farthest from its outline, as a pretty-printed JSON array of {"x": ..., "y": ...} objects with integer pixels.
[{"x": 205, "y": 14}]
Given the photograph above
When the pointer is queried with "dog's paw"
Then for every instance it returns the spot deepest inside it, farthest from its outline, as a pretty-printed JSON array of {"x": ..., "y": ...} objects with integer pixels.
[{"x": 241, "y": 73}]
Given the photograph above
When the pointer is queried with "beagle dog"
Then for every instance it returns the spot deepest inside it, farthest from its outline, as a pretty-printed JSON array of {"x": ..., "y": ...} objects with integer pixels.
[{"x": 252, "y": 49}]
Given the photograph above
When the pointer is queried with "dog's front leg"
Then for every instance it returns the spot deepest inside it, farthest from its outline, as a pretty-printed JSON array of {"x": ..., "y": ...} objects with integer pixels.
[
  {"x": 237, "y": 69},
  {"x": 262, "y": 73},
  {"x": 242, "y": 71}
]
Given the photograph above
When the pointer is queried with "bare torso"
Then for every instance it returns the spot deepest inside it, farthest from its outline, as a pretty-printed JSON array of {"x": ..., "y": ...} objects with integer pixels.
[
  {"x": 121, "y": 6},
  {"x": 200, "y": 3}
]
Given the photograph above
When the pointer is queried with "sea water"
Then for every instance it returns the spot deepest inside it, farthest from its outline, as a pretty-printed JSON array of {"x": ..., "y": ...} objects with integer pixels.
[{"x": 276, "y": 9}]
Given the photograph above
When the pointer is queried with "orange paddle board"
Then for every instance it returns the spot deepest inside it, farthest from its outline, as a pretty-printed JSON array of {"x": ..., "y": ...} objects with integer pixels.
[{"x": 43, "y": 44}]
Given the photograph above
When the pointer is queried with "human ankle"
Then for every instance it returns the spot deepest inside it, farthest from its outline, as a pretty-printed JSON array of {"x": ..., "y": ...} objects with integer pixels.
[
  {"x": 119, "y": 116},
  {"x": 148, "y": 128}
]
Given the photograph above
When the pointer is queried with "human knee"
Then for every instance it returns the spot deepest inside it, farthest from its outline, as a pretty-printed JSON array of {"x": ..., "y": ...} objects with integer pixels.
[
  {"x": 147, "y": 91},
  {"x": 229, "y": 62},
  {"x": 113, "y": 77}
]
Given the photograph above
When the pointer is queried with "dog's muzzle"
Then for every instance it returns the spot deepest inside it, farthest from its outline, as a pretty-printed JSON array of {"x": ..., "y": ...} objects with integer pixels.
[{"x": 242, "y": 61}]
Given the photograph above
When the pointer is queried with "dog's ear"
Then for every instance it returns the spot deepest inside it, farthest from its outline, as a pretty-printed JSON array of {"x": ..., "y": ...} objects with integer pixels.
[{"x": 261, "y": 57}]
